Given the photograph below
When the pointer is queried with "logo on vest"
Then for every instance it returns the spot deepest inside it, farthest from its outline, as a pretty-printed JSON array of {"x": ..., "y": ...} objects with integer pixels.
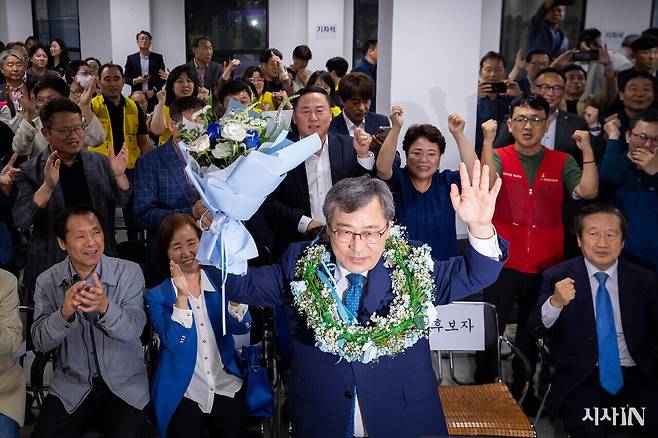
[{"x": 512, "y": 175}]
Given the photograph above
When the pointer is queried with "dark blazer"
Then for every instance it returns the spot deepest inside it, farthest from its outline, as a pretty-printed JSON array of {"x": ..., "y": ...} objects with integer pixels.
[
  {"x": 373, "y": 122},
  {"x": 398, "y": 395},
  {"x": 290, "y": 201},
  {"x": 42, "y": 249},
  {"x": 213, "y": 71},
  {"x": 161, "y": 187},
  {"x": 566, "y": 125},
  {"x": 134, "y": 69},
  {"x": 573, "y": 340},
  {"x": 179, "y": 347}
]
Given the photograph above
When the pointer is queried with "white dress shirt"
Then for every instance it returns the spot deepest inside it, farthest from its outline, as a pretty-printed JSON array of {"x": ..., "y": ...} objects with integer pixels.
[
  {"x": 486, "y": 247},
  {"x": 209, "y": 377},
  {"x": 549, "y": 137},
  {"x": 351, "y": 127},
  {"x": 144, "y": 62},
  {"x": 549, "y": 314},
  {"x": 318, "y": 177}
]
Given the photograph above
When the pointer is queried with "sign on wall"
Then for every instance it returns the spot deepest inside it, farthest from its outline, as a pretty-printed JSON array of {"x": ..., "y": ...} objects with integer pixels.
[
  {"x": 325, "y": 31},
  {"x": 458, "y": 326}
]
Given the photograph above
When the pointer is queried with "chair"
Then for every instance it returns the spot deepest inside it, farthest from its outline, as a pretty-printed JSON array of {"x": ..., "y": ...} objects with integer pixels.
[{"x": 488, "y": 410}]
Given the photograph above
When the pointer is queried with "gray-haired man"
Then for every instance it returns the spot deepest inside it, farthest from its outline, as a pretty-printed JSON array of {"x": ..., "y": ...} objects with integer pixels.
[{"x": 395, "y": 396}]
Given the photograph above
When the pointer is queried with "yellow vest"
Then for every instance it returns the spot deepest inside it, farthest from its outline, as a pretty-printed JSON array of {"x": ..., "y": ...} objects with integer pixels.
[
  {"x": 130, "y": 123},
  {"x": 166, "y": 135}
]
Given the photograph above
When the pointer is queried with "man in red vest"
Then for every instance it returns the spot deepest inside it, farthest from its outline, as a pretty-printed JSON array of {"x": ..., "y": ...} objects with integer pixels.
[{"x": 529, "y": 215}]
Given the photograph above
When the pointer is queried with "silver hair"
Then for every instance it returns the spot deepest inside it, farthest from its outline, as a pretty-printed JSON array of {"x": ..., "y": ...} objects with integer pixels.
[
  {"x": 351, "y": 194},
  {"x": 11, "y": 52}
]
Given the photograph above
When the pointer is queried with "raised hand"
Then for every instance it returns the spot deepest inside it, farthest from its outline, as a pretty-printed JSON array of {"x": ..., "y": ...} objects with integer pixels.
[
  {"x": 513, "y": 88},
  {"x": 28, "y": 103},
  {"x": 8, "y": 176},
  {"x": 51, "y": 171},
  {"x": 563, "y": 293},
  {"x": 162, "y": 96},
  {"x": 89, "y": 92},
  {"x": 475, "y": 204},
  {"x": 489, "y": 130},
  {"x": 591, "y": 116},
  {"x": 118, "y": 163},
  {"x": 519, "y": 60},
  {"x": 163, "y": 73},
  {"x": 179, "y": 279},
  {"x": 456, "y": 124},
  {"x": 582, "y": 140},
  {"x": 612, "y": 128},
  {"x": 361, "y": 143},
  {"x": 397, "y": 116},
  {"x": 203, "y": 94}
]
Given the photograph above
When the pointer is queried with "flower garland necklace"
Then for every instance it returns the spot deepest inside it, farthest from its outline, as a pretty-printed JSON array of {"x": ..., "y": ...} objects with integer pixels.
[{"x": 410, "y": 314}]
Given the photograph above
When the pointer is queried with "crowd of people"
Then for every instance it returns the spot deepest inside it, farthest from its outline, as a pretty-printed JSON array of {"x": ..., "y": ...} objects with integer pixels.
[{"x": 570, "y": 130}]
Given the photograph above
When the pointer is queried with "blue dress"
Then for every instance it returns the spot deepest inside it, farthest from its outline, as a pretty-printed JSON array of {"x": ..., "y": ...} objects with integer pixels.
[{"x": 429, "y": 217}]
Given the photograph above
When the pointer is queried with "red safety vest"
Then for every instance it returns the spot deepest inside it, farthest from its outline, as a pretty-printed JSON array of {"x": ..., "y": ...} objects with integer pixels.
[{"x": 530, "y": 219}]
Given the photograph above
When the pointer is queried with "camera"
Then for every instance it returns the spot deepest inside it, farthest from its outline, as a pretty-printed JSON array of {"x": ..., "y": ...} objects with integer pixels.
[{"x": 586, "y": 55}]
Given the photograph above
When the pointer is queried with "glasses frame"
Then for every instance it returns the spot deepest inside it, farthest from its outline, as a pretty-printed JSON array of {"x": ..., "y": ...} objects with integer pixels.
[
  {"x": 651, "y": 140},
  {"x": 67, "y": 131},
  {"x": 521, "y": 122},
  {"x": 380, "y": 233}
]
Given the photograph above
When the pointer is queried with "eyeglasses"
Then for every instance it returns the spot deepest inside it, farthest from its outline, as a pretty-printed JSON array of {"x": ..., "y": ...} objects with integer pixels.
[
  {"x": 257, "y": 79},
  {"x": 643, "y": 138},
  {"x": 345, "y": 236},
  {"x": 535, "y": 120},
  {"x": 68, "y": 131},
  {"x": 545, "y": 88}
]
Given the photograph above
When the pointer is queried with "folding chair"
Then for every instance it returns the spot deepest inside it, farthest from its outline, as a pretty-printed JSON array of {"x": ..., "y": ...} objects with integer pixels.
[{"x": 490, "y": 409}]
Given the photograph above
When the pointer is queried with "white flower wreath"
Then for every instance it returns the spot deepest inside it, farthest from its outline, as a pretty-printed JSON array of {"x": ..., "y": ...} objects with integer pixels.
[{"x": 410, "y": 314}]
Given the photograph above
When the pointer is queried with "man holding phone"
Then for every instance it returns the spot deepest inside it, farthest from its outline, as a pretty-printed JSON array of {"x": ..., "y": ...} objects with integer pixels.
[
  {"x": 89, "y": 310},
  {"x": 494, "y": 93},
  {"x": 544, "y": 32}
]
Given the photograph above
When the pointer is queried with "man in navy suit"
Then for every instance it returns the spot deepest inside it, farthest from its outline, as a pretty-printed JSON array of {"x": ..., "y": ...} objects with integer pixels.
[
  {"x": 356, "y": 91},
  {"x": 295, "y": 207},
  {"x": 601, "y": 314},
  {"x": 397, "y": 395},
  {"x": 145, "y": 69}
]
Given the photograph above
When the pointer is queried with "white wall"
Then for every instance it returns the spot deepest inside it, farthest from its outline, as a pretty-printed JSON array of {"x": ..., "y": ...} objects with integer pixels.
[
  {"x": 492, "y": 12},
  {"x": 168, "y": 29},
  {"x": 94, "y": 21},
  {"x": 618, "y": 16},
  {"x": 288, "y": 26},
  {"x": 321, "y": 13},
  {"x": 15, "y": 20},
  {"x": 127, "y": 17}
]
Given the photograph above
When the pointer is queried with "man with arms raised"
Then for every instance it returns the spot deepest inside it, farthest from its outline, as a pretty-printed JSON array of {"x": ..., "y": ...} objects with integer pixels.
[{"x": 331, "y": 394}]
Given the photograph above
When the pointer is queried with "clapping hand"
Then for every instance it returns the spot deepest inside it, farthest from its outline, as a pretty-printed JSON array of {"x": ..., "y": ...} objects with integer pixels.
[
  {"x": 178, "y": 278},
  {"x": 93, "y": 299},
  {"x": 361, "y": 143},
  {"x": 119, "y": 162},
  {"x": 475, "y": 204},
  {"x": 51, "y": 171}
]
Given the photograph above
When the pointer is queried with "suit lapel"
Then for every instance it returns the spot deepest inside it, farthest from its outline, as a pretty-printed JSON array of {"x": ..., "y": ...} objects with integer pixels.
[
  {"x": 627, "y": 302},
  {"x": 378, "y": 286},
  {"x": 335, "y": 157},
  {"x": 584, "y": 296}
]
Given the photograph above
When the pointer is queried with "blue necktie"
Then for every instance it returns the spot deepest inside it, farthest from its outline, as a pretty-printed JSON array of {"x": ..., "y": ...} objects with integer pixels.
[
  {"x": 352, "y": 300},
  {"x": 609, "y": 363}
]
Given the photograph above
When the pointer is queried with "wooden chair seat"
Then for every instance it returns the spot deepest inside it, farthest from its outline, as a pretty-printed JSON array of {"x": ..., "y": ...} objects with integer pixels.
[{"x": 484, "y": 410}]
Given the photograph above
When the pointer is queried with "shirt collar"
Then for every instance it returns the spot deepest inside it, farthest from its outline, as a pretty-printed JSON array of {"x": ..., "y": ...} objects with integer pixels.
[
  {"x": 108, "y": 102},
  {"x": 591, "y": 269},
  {"x": 351, "y": 126},
  {"x": 73, "y": 276},
  {"x": 342, "y": 272},
  {"x": 142, "y": 56}
]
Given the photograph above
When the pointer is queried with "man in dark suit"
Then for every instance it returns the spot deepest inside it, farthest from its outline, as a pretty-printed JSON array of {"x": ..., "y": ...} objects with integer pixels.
[
  {"x": 601, "y": 314},
  {"x": 62, "y": 175},
  {"x": 356, "y": 91},
  {"x": 145, "y": 70},
  {"x": 206, "y": 69},
  {"x": 295, "y": 207},
  {"x": 396, "y": 396}
]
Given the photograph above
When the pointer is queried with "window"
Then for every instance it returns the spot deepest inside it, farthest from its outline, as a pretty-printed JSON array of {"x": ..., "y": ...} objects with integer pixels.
[
  {"x": 57, "y": 19},
  {"x": 237, "y": 28},
  {"x": 366, "y": 17},
  {"x": 516, "y": 21}
]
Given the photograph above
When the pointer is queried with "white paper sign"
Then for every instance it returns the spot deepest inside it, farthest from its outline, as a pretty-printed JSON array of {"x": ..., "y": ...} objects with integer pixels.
[
  {"x": 325, "y": 31},
  {"x": 458, "y": 326},
  {"x": 613, "y": 39}
]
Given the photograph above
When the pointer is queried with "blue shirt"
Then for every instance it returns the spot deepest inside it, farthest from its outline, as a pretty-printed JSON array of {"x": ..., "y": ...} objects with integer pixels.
[{"x": 429, "y": 216}]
